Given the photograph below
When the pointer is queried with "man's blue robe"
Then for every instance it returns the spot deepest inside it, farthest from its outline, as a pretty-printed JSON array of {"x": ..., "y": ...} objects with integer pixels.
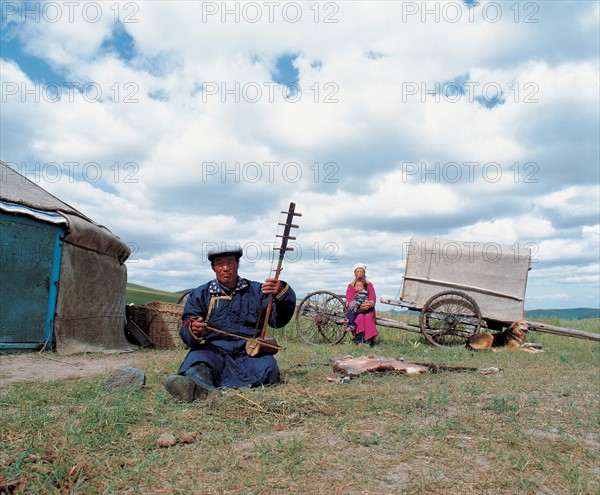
[{"x": 236, "y": 311}]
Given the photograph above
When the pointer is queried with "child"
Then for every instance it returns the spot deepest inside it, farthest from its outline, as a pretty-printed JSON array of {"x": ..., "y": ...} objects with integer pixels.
[{"x": 360, "y": 297}]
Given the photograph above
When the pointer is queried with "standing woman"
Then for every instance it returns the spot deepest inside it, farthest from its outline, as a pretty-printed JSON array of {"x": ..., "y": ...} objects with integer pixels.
[{"x": 366, "y": 330}]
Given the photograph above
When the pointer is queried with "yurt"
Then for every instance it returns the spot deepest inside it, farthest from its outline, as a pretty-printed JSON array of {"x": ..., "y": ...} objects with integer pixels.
[{"x": 62, "y": 275}]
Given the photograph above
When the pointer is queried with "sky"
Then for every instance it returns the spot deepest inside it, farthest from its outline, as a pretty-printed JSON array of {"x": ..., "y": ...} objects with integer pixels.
[{"x": 182, "y": 126}]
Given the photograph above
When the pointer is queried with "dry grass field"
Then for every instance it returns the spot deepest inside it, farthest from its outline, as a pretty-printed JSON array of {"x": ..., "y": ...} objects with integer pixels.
[{"x": 531, "y": 429}]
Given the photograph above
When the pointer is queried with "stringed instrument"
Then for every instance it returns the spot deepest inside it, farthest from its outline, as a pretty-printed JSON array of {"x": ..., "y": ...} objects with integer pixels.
[{"x": 262, "y": 345}]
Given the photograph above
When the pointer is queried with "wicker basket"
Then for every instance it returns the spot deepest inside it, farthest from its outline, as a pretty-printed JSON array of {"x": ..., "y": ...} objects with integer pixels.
[{"x": 164, "y": 322}]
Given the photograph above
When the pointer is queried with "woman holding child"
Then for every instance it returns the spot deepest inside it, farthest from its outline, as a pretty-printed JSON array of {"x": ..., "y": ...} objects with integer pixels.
[{"x": 363, "y": 328}]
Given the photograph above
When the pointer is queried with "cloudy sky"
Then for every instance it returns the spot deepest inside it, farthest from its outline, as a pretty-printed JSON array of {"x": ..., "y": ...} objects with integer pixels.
[{"x": 183, "y": 125}]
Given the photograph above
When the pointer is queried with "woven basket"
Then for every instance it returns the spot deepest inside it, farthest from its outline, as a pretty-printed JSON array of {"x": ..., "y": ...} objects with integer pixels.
[{"x": 164, "y": 322}]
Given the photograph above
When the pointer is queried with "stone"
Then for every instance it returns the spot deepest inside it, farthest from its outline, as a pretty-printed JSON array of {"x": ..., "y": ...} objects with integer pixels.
[
  {"x": 125, "y": 376},
  {"x": 166, "y": 440}
]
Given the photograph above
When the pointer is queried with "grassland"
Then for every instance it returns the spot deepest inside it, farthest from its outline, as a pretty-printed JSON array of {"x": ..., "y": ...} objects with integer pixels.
[
  {"x": 138, "y": 294},
  {"x": 531, "y": 429}
]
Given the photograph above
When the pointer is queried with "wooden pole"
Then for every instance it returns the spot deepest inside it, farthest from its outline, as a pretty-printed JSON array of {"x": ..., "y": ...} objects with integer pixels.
[
  {"x": 533, "y": 325},
  {"x": 387, "y": 322},
  {"x": 565, "y": 332}
]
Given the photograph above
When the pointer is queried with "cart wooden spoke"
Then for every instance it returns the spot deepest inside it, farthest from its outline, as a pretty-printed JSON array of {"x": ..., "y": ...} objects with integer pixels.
[
  {"x": 319, "y": 318},
  {"x": 450, "y": 317}
]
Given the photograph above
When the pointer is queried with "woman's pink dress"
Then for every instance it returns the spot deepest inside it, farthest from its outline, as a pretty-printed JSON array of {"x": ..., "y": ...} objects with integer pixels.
[{"x": 364, "y": 323}]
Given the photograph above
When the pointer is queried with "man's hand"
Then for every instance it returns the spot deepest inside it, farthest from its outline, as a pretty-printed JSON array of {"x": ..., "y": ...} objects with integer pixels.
[
  {"x": 198, "y": 328},
  {"x": 272, "y": 286},
  {"x": 366, "y": 305}
]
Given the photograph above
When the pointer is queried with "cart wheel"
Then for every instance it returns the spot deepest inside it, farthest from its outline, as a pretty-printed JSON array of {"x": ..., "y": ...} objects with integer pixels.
[
  {"x": 319, "y": 318},
  {"x": 450, "y": 318}
]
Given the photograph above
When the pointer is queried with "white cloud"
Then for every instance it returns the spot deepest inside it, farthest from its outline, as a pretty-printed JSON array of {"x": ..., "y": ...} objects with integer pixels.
[
  {"x": 556, "y": 249},
  {"x": 559, "y": 296},
  {"x": 62, "y": 33},
  {"x": 591, "y": 230},
  {"x": 589, "y": 17},
  {"x": 356, "y": 114},
  {"x": 572, "y": 201},
  {"x": 507, "y": 230}
]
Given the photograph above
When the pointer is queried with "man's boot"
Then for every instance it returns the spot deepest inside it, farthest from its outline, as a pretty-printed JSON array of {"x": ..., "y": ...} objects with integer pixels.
[{"x": 195, "y": 383}]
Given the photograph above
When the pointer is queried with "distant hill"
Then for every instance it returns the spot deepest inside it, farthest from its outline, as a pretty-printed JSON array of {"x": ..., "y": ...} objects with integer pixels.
[
  {"x": 138, "y": 294},
  {"x": 563, "y": 314},
  {"x": 533, "y": 314}
]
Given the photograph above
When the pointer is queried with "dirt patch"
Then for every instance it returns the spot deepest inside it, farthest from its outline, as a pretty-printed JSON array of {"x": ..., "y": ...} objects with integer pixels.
[{"x": 46, "y": 367}]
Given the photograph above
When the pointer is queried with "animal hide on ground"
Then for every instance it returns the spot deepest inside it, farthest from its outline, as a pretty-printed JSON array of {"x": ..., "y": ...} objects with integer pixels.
[{"x": 356, "y": 366}]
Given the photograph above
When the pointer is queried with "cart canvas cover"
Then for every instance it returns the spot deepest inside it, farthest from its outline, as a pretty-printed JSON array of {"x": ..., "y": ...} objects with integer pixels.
[
  {"x": 86, "y": 302},
  {"x": 494, "y": 275}
]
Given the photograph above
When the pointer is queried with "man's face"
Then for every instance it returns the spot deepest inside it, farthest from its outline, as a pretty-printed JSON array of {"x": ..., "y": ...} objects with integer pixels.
[
  {"x": 359, "y": 273},
  {"x": 226, "y": 268}
]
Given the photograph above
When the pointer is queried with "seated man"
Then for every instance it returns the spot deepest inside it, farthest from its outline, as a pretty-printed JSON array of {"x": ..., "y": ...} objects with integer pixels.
[{"x": 235, "y": 305}]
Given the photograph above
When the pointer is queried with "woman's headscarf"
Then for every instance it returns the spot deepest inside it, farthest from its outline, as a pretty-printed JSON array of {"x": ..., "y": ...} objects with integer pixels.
[
  {"x": 360, "y": 265},
  {"x": 364, "y": 267}
]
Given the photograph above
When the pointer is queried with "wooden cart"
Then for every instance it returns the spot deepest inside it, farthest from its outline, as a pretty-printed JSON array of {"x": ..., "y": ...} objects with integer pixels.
[{"x": 458, "y": 287}]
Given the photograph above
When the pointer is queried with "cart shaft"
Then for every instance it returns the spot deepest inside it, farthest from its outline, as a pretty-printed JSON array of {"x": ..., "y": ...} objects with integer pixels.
[
  {"x": 386, "y": 322},
  {"x": 565, "y": 332}
]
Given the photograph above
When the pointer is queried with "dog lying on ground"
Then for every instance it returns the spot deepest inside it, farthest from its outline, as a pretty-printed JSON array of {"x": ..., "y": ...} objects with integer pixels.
[{"x": 513, "y": 338}]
